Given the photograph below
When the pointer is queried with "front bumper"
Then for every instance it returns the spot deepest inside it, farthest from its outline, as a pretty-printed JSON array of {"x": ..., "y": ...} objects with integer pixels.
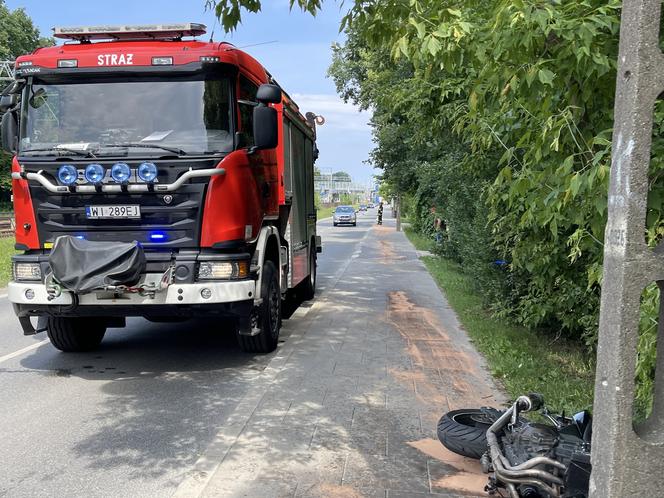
[{"x": 221, "y": 292}]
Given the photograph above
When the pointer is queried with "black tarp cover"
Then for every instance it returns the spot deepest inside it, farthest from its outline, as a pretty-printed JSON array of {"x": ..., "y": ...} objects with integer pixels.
[{"x": 84, "y": 266}]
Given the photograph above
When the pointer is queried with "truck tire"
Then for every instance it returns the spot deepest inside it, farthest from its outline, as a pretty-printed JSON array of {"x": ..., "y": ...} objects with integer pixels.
[
  {"x": 309, "y": 284},
  {"x": 464, "y": 431},
  {"x": 73, "y": 335},
  {"x": 268, "y": 315}
]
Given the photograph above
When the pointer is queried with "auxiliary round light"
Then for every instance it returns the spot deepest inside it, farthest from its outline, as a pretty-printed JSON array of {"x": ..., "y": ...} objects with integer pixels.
[
  {"x": 120, "y": 172},
  {"x": 67, "y": 174},
  {"x": 147, "y": 172},
  {"x": 29, "y": 294},
  {"x": 94, "y": 173},
  {"x": 206, "y": 293}
]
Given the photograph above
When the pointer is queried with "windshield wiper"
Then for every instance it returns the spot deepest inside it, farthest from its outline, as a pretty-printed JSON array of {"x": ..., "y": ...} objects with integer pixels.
[
  {"x": 174, "y": 150},
  {"x": 84, "y": 153}
]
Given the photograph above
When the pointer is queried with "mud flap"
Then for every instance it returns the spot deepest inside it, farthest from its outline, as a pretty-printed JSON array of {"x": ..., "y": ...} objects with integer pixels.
[
  {"x": 248, "y": 325},
  {"x": 29, "y": 329}
]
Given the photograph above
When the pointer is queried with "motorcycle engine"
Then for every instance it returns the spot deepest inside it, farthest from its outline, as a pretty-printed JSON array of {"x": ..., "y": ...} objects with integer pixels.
[{"x": 527, "y": 440}]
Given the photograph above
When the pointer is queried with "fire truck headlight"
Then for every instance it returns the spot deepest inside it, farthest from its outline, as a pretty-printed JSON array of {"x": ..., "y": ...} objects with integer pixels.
[
  {"x": 223, "y": 270},
  {"x": 67, "y": 174},
  {"x": 94, "y": 173},
  {"x": 120, "y": 172},
  {"x": 27, "y": 271},
  {"x": 147, "y": 172}
]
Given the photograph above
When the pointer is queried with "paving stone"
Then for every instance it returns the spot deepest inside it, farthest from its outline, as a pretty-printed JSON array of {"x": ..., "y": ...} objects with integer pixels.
[{"x": 357, "y": 383}]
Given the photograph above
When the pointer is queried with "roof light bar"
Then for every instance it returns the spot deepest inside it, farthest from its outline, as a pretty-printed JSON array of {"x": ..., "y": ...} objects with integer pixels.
[{"x": 142, "y": 31}]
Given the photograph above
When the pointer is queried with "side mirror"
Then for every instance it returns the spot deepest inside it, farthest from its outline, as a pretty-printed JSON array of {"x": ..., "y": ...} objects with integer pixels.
[
  {"x": 9, "y": 132},
  {"x": 265, "y": 127},
  {"x": 8, "y": 101},
  {"x": 269, "y": 94}
]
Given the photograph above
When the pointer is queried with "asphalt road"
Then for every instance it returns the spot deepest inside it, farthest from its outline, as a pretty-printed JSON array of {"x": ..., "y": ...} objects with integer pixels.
[{"x": 133, "y": 417}]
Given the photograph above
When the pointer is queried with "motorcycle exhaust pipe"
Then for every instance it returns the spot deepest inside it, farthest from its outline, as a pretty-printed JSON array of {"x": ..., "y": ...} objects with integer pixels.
[{"x": 523, "y": 473}]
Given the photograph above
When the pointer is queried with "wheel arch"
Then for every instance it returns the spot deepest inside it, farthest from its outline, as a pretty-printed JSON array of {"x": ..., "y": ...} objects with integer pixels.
[{"x": 268, "y": 248}]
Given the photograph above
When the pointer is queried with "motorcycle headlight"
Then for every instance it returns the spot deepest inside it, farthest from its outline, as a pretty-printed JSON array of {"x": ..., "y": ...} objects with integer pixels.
[
  {"x": 27, "y": 272},
  {"x": 223, "y": 270}
]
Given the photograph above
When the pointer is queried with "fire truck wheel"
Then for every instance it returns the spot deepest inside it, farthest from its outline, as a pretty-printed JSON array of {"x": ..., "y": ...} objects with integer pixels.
[
  {"x": 75, "y": 334},
  {"x": 268, "y": 315},
  {"x": 309, "y": 284}
]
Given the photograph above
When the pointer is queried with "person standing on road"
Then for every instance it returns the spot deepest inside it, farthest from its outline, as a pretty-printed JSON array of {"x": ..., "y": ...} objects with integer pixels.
[{"x": 380, "y": 213}]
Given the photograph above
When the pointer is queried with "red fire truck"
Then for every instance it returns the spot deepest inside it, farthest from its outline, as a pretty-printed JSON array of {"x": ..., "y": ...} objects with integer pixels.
[{"x": 159, "y": 176}]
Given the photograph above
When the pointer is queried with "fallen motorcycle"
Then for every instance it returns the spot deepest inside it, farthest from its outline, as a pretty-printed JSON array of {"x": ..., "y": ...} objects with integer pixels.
[{"x": 526, "y": 459}]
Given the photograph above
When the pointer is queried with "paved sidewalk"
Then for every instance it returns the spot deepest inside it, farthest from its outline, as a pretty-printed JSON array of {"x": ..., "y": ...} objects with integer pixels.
[{"x": 349, "y": 405}]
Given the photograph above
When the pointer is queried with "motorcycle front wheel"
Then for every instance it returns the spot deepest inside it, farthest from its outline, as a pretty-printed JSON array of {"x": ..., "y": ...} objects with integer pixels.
[{"x": 464, "y": 431}]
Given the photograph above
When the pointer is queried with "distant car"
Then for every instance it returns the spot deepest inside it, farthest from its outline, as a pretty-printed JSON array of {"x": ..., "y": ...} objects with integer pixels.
[
  {"x": 344, "y": 215},
  {"x": 371, "y": 205},
  {"x": 363, "y": 207}
]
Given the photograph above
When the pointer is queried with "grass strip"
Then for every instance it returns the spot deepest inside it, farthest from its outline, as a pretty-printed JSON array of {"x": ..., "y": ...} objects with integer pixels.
[
  {"x": 6, "y": 252},
  {"x": 324, "y": 212},
  {"x": 523, "y": 360},
  {"x": 420, "y": 242}
]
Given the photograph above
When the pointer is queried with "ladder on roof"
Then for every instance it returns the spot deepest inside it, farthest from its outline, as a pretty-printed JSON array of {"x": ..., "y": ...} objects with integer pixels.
[{"x": 6, "y": 72}]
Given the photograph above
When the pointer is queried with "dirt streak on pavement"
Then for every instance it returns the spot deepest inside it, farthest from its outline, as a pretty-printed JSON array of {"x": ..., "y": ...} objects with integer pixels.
[
  {"x": 444, "y": 378},
  {"x": 468, "y": 478}
]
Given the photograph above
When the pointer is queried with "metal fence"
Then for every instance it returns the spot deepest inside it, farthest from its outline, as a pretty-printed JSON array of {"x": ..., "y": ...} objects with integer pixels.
[{"x": 7, "y": 224}]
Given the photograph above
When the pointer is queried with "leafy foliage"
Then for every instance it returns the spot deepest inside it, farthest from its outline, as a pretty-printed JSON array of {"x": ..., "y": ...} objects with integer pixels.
[
  {"x": 230, "y": 11},
  {"x": 18, "y": 35}
]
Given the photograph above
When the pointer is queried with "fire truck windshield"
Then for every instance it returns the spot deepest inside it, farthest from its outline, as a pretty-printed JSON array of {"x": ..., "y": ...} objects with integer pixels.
[{"x": 127, "y": 117}]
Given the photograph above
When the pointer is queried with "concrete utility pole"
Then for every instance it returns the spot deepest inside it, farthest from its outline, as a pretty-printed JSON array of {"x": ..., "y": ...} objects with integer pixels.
[{"x": 629, "y": 461}]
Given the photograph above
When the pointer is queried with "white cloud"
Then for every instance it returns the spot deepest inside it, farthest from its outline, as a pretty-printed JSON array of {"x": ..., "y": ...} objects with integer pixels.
[
  {"x": 345, "y": 138},
  {"x": 337, "y": 113}
]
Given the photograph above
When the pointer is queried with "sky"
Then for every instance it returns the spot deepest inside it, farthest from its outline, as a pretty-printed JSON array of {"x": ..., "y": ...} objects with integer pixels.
[{"x": 298, "y": 57}]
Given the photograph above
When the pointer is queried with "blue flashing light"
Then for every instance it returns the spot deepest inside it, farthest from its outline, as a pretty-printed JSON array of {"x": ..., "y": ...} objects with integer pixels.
[
  {"x": 120, "y": 172},
  {"x": 67, "y": 174},
  {"x": 82, "y": 237},
  {"x": 94, "y": 173},
  {"x": 157, "y": 236},
  {"x": 147, "y": 172}
]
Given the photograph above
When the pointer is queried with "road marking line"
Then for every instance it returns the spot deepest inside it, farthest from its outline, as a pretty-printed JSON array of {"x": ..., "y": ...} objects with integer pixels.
[{"x": 22, "y": 351}]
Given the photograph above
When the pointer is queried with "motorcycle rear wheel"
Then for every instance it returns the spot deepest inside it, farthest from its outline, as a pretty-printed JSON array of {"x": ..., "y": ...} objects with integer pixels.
[{"x": 464, "y": 431}]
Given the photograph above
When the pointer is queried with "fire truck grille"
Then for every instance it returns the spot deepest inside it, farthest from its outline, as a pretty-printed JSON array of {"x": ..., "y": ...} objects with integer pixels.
[{"x": 167, "y": 220}]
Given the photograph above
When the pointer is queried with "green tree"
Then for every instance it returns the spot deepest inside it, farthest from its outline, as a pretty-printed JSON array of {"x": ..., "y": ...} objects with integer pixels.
[
  {"x": 341, "y": 176},
  {"x": 18, "y": 36}
]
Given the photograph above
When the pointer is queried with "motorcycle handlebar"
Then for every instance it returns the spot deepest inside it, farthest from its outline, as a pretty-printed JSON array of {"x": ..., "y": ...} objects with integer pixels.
[{"x": 530, "y": 402}]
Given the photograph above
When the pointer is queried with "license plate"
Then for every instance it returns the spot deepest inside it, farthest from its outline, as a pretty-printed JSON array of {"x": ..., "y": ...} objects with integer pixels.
[{"x": 108, "y": 212}]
